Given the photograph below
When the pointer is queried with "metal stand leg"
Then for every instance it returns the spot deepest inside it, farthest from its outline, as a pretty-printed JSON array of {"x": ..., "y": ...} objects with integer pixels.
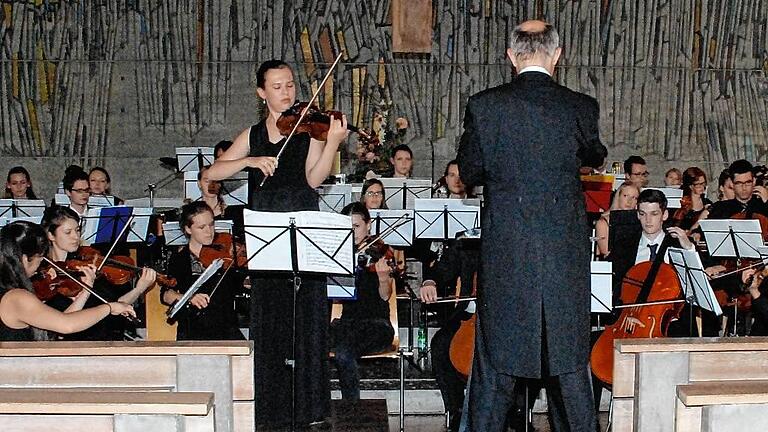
[
  {"x": 610, "y": 415},
  {"x": 402, "y": 389},
  {"x": 291, "y": 362}
]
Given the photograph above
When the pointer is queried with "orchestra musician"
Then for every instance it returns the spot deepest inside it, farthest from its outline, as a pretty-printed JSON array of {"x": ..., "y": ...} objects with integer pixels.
[
  {"x": 77, "y": 188},
  {"x": 625, "y": 198},
  {"x": 636, "y": 171},
  {"x": 694, "y": 201},
  {"x": 673, "y": 177},
  {"x": 515, "y": 137},
  {"x": 211, "y": 315},
  {"x": 402, "y": 161},
  {"x": 18, "y": 184},
  {"x": 725, "y": 186},
  {"x": 62, "y": 228},
  {"x": 748, "y": 198},
  {"x": 373, "y": 194},
  {"x": 364, "y": 326},
  {"x": 304, "y": 165},
  {"x": 22, "y": 248}
]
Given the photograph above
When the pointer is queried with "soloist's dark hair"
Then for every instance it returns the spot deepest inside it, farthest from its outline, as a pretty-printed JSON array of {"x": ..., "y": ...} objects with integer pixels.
[{"x": 17, "y": 239}]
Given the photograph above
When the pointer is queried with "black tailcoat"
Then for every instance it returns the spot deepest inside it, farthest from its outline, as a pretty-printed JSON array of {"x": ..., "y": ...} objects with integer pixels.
[{"x": 525, "y": 142}]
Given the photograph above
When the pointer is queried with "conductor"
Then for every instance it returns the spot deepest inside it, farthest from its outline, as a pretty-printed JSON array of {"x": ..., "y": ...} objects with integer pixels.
[{"x": 533, "y": 309}]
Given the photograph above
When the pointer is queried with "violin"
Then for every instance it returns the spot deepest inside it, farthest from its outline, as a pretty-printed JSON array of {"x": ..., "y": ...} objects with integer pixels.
[
  {"x": 371, "y": 251},
  {"x": 223, "y": 247},
  {"x": 646, "y": 282},
  {"x": 117, "y": 270},
  {"x": 47, "y": 285},
  {"x": 315, "y": 122},
  {"x": 686, "y": 205}
]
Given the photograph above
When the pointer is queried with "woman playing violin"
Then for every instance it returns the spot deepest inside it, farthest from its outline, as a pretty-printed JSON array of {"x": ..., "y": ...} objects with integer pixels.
[
  {"x": 694, "y": 201},
  {"x": 210, "y": 192},
  {"x": 62, "y": 228},
  {"x": 304, "y": 165},
  {"x": 22, "y": 247},
  {"x": 364, "y": 326},
  {"x": 211, "y": 315}
]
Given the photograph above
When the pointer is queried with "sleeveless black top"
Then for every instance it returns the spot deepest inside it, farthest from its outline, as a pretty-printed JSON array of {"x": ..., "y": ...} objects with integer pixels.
[
  {"x": 8, "y": 334},
  {"x": 287, "y": 189}
]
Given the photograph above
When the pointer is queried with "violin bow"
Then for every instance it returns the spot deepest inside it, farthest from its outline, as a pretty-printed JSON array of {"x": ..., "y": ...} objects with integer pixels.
[
  {"x": 304, "y": 113},
  {"x": 388, "y": 230},
  {"x": 117, "y": 239}
]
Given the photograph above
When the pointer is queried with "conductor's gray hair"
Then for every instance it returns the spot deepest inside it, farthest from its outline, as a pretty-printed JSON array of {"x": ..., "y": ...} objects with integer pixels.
[{"x": 526, "y": 44}]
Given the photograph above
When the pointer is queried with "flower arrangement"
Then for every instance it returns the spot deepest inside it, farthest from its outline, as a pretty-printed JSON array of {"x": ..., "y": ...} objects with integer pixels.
[{"x": 371, "y": 156}]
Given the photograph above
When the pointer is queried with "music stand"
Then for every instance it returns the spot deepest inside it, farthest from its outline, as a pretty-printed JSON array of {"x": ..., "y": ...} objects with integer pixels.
[
  {"x": 597, "y": 192},
  {"x": 298, "y": 242},
  {"x": 193, "y": 158},
  {"x": 401, "y": 223},
  {"x": 13, "y": 209},
  {"x": 401, "y": 193},
  {"x": 61, "y": 199},
  {"x": 334, "y": 197},
  {"x": 102, "y": 225},
  {"x": 174, "y": 235},
  {"x": 234, "y": 190},
  {"x": 732, "y": 237},
  {"x": 203, "y": 278},
  {"x": 443, "y": 218},
  {"x": 341, "y": 288},
  {"x": 601, "y": 287},
  {"x": 101, "y": 201},
  {"x": 695, "y": 282}
]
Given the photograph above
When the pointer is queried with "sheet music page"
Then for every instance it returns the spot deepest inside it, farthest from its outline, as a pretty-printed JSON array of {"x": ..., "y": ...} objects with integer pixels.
[
  {"x": 267, "y": 240},
  {"x": 140, "y": 224},
  {"x": 29, "y": 207},
  {"x": 429, "y": 219},
  {"x": 414, "y": 189},
  {"x": 209, "y": 271},
  {"x": 693, "y": 280},
  {"x": 339, "y": 242},
  {"x": 333, "y": 198},
  {"x": 402, "y": 235},
  {"x": 674, "y": 195},
  {"x": 235, "y": 189}
]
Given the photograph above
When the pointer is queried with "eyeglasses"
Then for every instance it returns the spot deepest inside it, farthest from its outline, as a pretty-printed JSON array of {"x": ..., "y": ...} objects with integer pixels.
[
  {"x": 82, "y": 191},
  {"x": 644, "y": 174},
  {"x": 700, "y": 183},
  {"x": 374, "y": 193}
]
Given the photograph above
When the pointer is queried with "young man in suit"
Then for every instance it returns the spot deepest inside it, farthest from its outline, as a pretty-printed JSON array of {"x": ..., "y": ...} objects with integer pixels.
[{"x": 533, "y": 310}]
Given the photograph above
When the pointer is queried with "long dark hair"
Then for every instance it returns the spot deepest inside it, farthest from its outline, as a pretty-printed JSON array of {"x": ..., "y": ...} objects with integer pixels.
[
  {"x": 20, "y": 170},
  {"x": 17, "y": 239}
]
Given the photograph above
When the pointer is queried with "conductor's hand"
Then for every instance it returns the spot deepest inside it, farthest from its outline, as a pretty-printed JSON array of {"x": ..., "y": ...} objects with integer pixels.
[
  {"x": 679, "y": 233},
  {"x": 200, "y": 301},
  {"x": 428, "y": 292},
  {"x": 337, "y": 131},
  {"x": 266, "y": 164},
  {"x": 119, "y": 308}
]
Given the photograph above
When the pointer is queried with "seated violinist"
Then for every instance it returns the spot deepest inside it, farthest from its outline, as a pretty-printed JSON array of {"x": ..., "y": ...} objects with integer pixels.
[
  {"x": 22, "y": 247},
  {"x": 748, "y": 198},
  {"x": 364, "y": 326},
  {"x": 694, "y": 201},
  {"x": 210, "y": 314},
  {"x": 373, "y": 195},
  {"x": 101, "y": 184},
  {"x": 62, "y": 227}
]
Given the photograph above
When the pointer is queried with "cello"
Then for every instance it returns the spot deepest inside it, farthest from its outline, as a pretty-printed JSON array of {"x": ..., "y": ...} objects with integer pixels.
[{"x": 653, "y": 295}]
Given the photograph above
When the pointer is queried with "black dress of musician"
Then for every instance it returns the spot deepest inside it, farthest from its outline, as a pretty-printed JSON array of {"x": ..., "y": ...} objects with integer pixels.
[
  {"x": 303, "y": 166},
  {"x": 210, "y": 314}
]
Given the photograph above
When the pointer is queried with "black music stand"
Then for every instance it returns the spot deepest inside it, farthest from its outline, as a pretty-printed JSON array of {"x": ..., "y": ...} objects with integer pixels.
[
  {"x": 304, "y": 242},
  {"x": 442, "y": 219},
  {"x": 193, "y": 158}
]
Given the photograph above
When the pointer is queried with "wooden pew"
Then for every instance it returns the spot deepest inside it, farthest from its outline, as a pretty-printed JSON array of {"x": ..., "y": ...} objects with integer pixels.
[
  {"x": 27, "y": 410},
  {"x": 224, "y": 368},
  {"x": 723, "y": 406},
  {"x": 648, "y": 371}
]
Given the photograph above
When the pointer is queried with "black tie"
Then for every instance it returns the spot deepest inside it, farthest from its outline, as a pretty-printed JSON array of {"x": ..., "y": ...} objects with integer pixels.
[{"x": 654, "y": 248}]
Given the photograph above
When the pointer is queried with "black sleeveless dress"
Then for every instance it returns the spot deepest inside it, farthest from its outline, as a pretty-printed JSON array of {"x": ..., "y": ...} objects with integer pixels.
[
  {"x": 272, "y": 297},
  {"x": 8, "y": 334}
]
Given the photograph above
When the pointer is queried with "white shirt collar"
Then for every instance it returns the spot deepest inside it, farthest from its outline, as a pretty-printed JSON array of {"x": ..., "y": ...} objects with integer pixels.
[
  {"x": 656, "y": 240},
  {"x": 534, "y": 69}
]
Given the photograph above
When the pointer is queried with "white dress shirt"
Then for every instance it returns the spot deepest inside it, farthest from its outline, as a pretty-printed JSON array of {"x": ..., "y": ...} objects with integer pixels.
[
  {"x": 534, "y": 69},
  {"x": 644, "y": 252}
]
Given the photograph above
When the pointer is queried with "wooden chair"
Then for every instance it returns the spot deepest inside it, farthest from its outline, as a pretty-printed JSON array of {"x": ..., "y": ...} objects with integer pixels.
[{"x": 394, "y": 351}]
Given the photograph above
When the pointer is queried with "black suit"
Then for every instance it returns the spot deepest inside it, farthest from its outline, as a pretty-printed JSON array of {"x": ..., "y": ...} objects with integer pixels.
[{"x": 533, "y": 310}]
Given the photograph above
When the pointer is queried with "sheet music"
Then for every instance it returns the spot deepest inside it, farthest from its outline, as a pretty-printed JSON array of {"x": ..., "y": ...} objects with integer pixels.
[
  {"x": 694, "y": 280},
  {"x": 23, "y": 208},
  {"x": 101, "y": 201},
  {"x": 324, "y": 241},
  {"x": 209, "y": 271},
  {"x": 234, "y": 190},
  {"x": 430, "y": 217},
  {"x": 674, "y": 195},
  {"x": 601, "y": 287},
  {"x": 747, "y": 235},
  {"x": 99, "y": 224},
  {"x": 174, "y": 235},
  {"x": 333, "y": 198},
  {"x": 341, "y": 288},
  {"x": 384, "y": 219},
  {"x": 187, "y": 157},
  {"x": 61, "y": 199},
  {"x": 394, "y": 189}
]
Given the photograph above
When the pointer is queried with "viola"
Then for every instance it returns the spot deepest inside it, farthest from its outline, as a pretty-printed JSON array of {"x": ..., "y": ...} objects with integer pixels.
[
  {"x": 47, "y": 284},
  {"x": 117, "y": 270},
  {"x": 315, "y": 122},
  {"x": 375, "y": 250},
  {"x": 223, "y": 247},
  {"x": 653, "y": 282}
]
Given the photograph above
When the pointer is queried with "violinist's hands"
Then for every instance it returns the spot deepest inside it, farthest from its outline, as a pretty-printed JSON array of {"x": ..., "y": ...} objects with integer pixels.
[
  {"x": 147, "y": 279},
  {"x": 200, "y": 301},
  {"x": 762, "y": 192},
  {"x": 746, "y": 274},
  {"x": 679, "y": 233},
  {"x": 337, "y": 131},
  {"x": 428, "y": 292},
  {"x": 714, "y": 270},
  {"x": 119, "y": 308},
  {"x": 89, "y": 274},
  {"x": 383, "y": 271},
  {"x": 266, "y": 164},
  {"x": 754, "y": 285}
]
